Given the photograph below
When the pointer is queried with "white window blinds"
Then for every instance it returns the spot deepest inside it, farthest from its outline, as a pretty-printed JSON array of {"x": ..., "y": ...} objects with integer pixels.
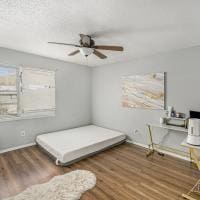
[
  {"x": 8, "y": 91},
  {"x": 37, "y": 91}
]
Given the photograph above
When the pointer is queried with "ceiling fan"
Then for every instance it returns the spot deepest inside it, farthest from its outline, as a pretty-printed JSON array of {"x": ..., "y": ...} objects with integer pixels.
[{"x": 87, "y": 47}]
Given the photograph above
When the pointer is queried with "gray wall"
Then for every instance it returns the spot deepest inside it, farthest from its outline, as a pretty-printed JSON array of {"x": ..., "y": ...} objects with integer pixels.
[
  {"x": 183, "y": 81},
  {"x": 73, "y": 95},
  {"x": 74, "y": 102}
]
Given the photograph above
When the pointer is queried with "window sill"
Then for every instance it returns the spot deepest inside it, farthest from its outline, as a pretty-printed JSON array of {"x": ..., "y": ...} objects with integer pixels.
[{"x": 31, "y": 116}]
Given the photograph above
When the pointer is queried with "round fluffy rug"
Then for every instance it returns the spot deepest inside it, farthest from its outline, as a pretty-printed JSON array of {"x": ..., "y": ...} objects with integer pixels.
[{"x": 69, "y": 186}]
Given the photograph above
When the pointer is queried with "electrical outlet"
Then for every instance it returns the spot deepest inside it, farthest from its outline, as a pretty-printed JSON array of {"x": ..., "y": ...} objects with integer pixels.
[
  {"x": 135, "y": 132},
  {"x": 23, "y": 133}
]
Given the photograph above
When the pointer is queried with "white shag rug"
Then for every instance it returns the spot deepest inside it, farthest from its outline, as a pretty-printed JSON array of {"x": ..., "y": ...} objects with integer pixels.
[{"x": 69, "y": 186}]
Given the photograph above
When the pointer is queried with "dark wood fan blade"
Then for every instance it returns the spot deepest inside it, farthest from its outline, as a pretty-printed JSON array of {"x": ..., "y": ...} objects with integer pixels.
[
  {"x": 99, "y": 54},
  {"x": 73, "y": 53},
  {"x": 111, "y": 48},
  {"x": 74, "y": 45}
]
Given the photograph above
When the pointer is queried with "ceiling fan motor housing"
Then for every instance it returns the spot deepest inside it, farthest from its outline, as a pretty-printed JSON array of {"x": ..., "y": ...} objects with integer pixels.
[{"x": 87, "y": 41}]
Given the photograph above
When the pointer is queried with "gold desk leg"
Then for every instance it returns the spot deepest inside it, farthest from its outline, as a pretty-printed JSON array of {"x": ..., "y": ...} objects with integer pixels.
[
  {"x": 150, "y": 152},
  {"x": 151, "y": 149},
  {"x": 190, "y": 155}
]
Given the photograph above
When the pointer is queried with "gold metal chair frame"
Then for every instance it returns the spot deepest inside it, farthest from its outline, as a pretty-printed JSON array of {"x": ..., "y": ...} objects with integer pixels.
[{"x": 196, "y": 188}]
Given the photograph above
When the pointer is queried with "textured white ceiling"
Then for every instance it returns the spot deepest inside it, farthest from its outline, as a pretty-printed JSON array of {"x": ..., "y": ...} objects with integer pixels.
[{"x": 143, "y": 27}]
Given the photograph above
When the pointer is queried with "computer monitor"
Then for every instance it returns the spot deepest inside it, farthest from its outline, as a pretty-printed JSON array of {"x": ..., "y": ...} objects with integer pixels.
[{"x": 194, "y": 114}]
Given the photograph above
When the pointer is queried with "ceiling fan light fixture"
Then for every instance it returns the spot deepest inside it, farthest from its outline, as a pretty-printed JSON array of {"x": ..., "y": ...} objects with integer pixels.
[
  {"x": 87, "y": 47},
  {"x": 86, "y": 51}
]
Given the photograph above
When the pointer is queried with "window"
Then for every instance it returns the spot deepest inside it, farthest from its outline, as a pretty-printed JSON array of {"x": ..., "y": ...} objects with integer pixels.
[
  {"x": 8, "y": 91},
  {"x": 26, "y": 92},
  {"x": 38, "y": 91}
]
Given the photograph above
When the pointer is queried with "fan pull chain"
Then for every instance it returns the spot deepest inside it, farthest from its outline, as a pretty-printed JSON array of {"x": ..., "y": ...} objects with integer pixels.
[{"x": 87, "y": 63}]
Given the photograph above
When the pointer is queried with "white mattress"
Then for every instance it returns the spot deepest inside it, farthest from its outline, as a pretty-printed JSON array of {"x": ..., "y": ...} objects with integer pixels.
[{"x": 69, "y": 145}]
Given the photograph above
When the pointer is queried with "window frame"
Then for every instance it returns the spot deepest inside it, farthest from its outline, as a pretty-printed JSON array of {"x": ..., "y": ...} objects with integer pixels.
[{"x": 20, "y": 115}]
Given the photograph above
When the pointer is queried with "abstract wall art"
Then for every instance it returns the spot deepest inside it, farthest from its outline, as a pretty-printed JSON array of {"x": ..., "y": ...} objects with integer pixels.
[{"x": 144, "y": 91}]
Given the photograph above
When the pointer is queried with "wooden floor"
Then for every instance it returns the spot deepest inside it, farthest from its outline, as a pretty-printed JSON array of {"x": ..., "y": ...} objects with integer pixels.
[{"x": 123, "y": 173}]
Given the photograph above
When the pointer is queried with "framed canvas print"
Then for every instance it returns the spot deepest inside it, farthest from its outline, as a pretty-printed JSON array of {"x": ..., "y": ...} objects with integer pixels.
[{"x": 144, "y": 91}]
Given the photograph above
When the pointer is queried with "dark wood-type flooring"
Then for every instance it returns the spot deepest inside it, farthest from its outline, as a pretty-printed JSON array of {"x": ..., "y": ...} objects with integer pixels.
[{"x": 123, "y": 173}]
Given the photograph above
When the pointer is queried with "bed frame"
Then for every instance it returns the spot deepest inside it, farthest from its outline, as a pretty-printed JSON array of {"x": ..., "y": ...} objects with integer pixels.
[{"x": 57, "y": 162}]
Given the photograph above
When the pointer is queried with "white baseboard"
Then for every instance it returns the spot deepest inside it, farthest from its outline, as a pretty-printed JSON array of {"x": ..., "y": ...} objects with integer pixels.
[
  {"x": 162, "y": 151},
  {"x": 136, "y": 143},
  {"x": 18, "y": 147}
]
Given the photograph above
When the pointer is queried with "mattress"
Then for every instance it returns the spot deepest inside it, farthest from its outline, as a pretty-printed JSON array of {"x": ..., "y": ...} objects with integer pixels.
[{"x": 72, "y": 144}]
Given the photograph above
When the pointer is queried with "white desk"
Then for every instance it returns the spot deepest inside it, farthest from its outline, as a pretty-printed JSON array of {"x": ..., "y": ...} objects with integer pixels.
[
  {"x": 155, "y": 147},
  {"x": 169, "y": 127}
]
